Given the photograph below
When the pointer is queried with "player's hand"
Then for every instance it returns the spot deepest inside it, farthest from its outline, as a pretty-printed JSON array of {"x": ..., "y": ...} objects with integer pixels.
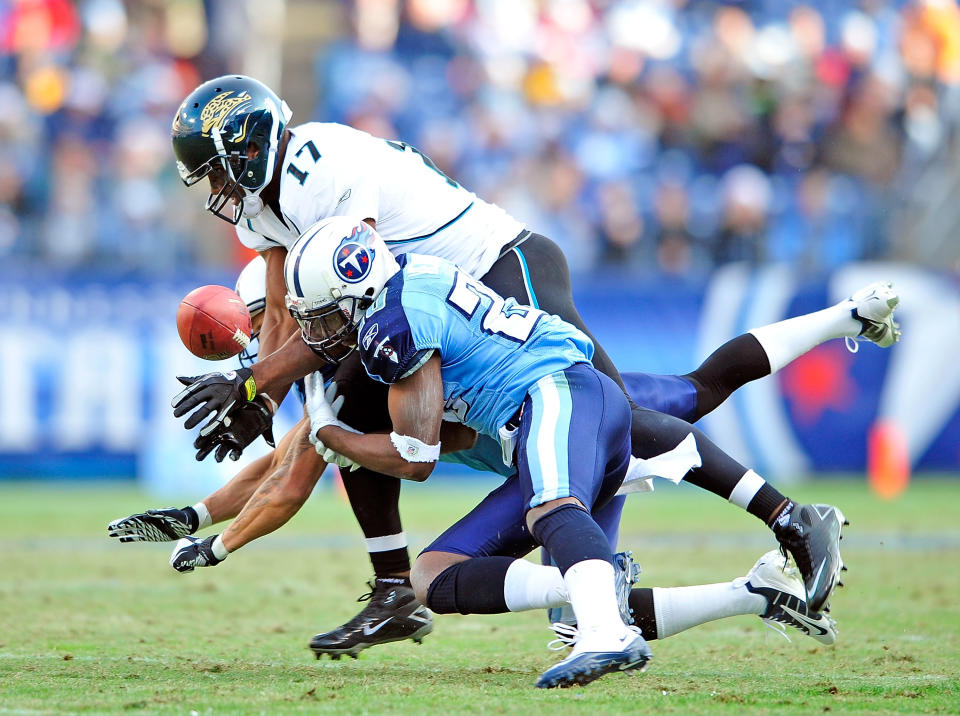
[
  {"x": 213, "y": 393},
  {"x": 332, "y": 457},
  {"x": 163, "y": 525},
  {"x": 237, "y": 430},
  {"x": 193, "y": 552},
  {"x": 323, "y": 406}
]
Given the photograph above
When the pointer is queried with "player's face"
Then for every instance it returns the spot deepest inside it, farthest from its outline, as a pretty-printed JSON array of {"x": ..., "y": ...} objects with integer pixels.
[
  {"x": 330, "y": 333},
  {"x": 225, "y": 195}
]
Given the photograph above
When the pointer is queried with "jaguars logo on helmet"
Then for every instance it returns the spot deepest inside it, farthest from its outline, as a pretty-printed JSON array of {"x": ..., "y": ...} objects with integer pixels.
[
  {"x": 230, "y": 129},
  {"x": 216, "y": 111}
]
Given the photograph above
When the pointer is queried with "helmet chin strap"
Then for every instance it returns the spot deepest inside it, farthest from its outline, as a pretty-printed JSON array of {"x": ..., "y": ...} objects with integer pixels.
[{"x": 251, "y": 206}]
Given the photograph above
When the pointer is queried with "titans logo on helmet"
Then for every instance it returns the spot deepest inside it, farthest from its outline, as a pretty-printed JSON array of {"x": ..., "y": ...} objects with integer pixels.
[{"x": 352, "y": 260}]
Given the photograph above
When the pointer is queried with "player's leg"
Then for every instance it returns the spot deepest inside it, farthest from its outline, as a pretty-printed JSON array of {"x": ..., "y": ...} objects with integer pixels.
[
  {"x": 537, "y": 270},
  {"x": 392, "y": 612},
  {"x": 765, "y": 350},
  {"x": 560, "y": 478},
  {"x": 489, "y": 540},
  {"x": 563, "y": 481},
  {"x": 811, "y": 533},
  {"x": 772, "y": 590}
]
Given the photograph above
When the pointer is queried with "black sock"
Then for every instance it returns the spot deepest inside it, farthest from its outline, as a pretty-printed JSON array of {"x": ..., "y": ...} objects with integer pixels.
[
  {"x": 375, "y": 501},
  {"x": 471, "y": 587},
  {"x": 779, "y": 520},
  {"x": 390, "y": 563},
  {"x": 570, "y": 536},
  {"x": 767, "y": 504},
  {"x": 644, "y": 614},
  {"x": 732, "y": 365}
]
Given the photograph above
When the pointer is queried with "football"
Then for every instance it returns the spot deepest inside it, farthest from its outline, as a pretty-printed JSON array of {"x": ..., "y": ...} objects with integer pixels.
[{"x": 213, "y": 322}]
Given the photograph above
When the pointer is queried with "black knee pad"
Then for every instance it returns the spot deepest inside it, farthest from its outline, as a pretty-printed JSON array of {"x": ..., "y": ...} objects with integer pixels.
[{"x": 474, "y": 586}]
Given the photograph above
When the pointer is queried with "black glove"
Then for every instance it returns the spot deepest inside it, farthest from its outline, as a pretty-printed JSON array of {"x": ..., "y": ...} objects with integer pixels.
[
  {"x": 163, "y": 525},
  {"x": 214, "y": 393},
  {"x": 237, "y": 430},
  {"x": 193, "y": 552}
]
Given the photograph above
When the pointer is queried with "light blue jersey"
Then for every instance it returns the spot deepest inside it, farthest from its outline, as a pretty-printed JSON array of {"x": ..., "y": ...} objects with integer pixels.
[{"x": 492, "y": 350}]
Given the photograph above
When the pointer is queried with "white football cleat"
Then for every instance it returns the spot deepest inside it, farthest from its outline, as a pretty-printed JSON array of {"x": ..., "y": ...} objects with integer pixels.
[
  {"x": 873, "y": 307},
  {"x": 776, "y": 579},
  {"x": 595, "y": 653}
]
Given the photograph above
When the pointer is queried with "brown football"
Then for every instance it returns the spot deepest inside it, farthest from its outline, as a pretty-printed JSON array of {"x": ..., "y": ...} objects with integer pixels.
[{"x": 213, "y": 322}]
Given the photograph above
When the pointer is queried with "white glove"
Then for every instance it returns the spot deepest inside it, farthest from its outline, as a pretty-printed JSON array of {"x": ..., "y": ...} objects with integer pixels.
[
  {"x": 332, "y": 457},
  {"x": 323, "y": 406}
]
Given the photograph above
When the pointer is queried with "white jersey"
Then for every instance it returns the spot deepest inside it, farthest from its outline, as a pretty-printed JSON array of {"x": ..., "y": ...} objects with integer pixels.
[{"x": 334, "y": 170}]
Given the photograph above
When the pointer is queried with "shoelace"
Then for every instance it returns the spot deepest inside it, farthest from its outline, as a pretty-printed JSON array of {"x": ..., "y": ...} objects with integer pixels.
[
  {"x": 799, "y": 551},
  {"x": 568, "y": 635},
  {"x": 369, "y": 595},
  {"x": 777, "y": 628}
]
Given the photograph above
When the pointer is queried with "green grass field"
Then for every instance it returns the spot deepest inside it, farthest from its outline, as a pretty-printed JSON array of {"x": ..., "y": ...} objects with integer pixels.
[{"x": 90, "y": 625}]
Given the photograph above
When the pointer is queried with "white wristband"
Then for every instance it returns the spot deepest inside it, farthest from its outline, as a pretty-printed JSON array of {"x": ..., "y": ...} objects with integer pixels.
[
  {"x": 219, "y": 551},
  {"x": 413, "y": 450},
  {"x": 203, "y": 515}
]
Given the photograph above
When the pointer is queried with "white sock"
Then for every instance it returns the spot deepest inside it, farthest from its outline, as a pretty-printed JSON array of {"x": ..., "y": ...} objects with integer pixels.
[
  {"x": 593, "y": 596},
  {"x": 679, "y": 608},
  {"x": 533, "y": 586},
  {"x": 386, "y": 543},
  {"x": 787, "y": 340}
]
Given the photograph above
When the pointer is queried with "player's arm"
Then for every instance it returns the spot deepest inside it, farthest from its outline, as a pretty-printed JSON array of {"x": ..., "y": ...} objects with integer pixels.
[
  {"x": 276, "y": 500},
  {"x": 416, "y": 411},
  {"x": 169, "y": 523},
  {"x": 227, "y": 502},
  {"x": 278, "y": 325},
  {"x": 281, "y": 494},
  {"x": 292, "y": 361}
]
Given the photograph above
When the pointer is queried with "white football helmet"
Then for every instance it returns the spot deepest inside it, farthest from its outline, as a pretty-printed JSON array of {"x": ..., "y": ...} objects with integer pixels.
[
  {"x": 333, "y": 273},
  {"x": 252, "y": 288}
]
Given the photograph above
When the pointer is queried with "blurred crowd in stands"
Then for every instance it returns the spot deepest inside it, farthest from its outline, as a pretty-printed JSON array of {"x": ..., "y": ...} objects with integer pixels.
[{"x": 672, "y": 135}]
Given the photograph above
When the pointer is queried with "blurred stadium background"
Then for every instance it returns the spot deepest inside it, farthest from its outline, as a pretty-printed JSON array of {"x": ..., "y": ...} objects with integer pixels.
[{"x": 706, "y": 167}]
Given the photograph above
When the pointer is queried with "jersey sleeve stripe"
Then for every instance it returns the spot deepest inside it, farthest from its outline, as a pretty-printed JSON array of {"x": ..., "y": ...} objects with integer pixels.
[{"x": 436, "y": 231}]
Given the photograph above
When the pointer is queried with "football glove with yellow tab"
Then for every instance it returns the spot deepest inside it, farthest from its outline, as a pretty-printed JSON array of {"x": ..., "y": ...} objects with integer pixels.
[{"x": 213, "y": 393}]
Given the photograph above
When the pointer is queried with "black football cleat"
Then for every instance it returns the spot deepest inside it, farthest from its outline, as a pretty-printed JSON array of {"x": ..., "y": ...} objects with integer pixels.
[
  {"x": 811, "y": 534},
  {"x": 393, "y": 614}
]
